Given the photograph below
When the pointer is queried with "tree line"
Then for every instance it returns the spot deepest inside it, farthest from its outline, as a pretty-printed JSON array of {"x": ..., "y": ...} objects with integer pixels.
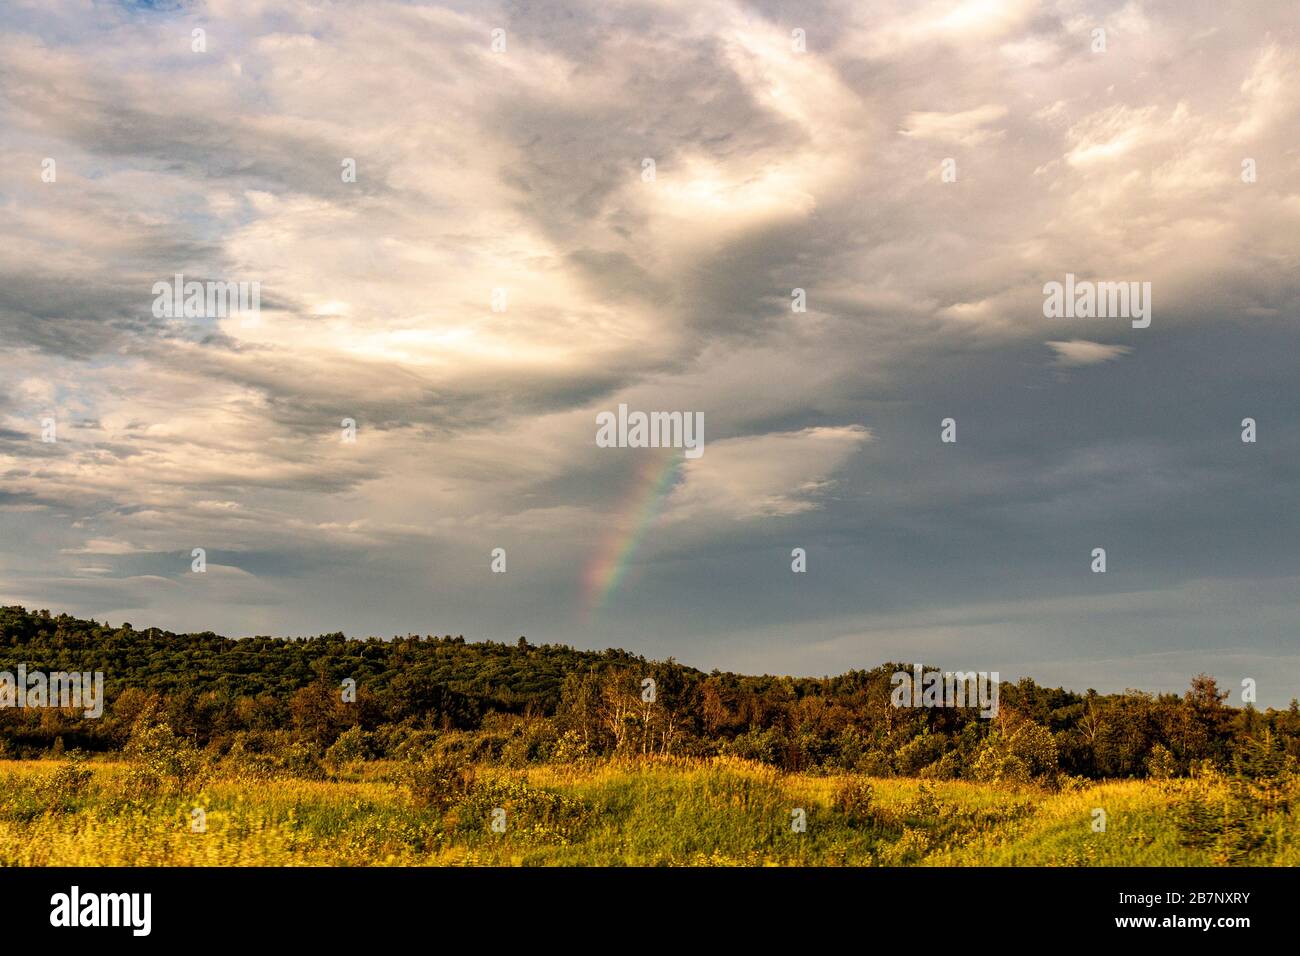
[{"x": 290, "y": 700}]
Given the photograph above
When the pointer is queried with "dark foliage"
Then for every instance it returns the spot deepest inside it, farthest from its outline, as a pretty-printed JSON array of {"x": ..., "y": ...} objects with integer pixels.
[{"x": 516, "y": 703}]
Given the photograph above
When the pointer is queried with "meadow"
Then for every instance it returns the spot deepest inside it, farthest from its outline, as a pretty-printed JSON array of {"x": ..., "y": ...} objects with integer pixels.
[
  {"x": 645, "y": 812},
  {"x": 424, "y": 750}
]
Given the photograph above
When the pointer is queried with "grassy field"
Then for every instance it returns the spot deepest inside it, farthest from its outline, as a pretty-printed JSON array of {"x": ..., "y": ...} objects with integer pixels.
[{"x": 720, "y": 812}]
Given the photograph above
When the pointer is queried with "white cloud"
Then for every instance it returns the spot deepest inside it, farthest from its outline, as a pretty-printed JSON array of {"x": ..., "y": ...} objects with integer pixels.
[
  {"x": 104, "y": 546},
  {"x": 1077, "y": 353},
  {"x": 773, "y": 475},
  {"x": 967, "y": 128}
]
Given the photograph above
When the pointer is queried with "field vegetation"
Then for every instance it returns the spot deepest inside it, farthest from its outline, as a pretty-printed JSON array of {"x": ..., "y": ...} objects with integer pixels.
[{"x": 418, "y": 751}]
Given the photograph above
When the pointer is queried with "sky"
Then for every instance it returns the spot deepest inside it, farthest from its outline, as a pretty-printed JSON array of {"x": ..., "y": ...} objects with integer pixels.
[{"x": 649, "y": 183}]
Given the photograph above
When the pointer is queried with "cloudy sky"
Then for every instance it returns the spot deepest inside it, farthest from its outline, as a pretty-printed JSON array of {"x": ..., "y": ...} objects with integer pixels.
[{"x": 775, "y": 168}]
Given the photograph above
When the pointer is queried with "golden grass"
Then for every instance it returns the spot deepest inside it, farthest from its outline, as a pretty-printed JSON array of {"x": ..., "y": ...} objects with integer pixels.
[{"x": 661, "y": 812}]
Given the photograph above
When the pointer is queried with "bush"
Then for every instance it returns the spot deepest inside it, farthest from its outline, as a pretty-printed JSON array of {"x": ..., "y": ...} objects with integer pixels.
[
  {"x": 918, "y": 753},
  {"x": 1161, "y": 763},
  {"x": 571, "y": 748},
  {"x": 532, "y": 742},
  {"x": 352, "y": 746},
  {"x": 162, "y": 763},
  {"x": 855, "y": 798},
  {"x": 850, "y": 748},
  {"x": 402, "y": 742},
  {"x": 1025, "y": 755},
  {"x": 439, "y": 781},
  {"x": 925, "y": 808},
  {"x": 907, "y": 850},
  {"x": 60, "y": 792},
  {"x": 1235, "y": 816},
  {"x": 761, "y": 746},
  {"x": 298, "y": 759},
  {"x": 264, "y": 755},
  {"x": 471, "y": 746},
  {"x": 533, "y": 814},
  {"x": 947, "y": 767},
  {"x": 877, "y": 763},
  {"x": 73, "y": 778}
]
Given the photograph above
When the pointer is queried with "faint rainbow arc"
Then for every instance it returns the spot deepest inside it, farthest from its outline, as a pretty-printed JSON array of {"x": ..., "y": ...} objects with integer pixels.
[{"x": 640, "y": 507}]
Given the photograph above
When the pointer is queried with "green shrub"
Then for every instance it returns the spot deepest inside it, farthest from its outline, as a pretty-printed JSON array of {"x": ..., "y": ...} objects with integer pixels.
[
  {"x": 162, "y": 763},
  {"x": 265, "y": 755},
  {"x": 925, "y": 807},
  {"x": 297, "y": 758},
  {"x": 855, "y": 798},
  {"x": 761, "y": 746},
  {"x": 439, "y": 781},
  {"x": 918, "y": 753},
  {"x": 352, "y": 746},
  {"x": 877, "y": 763},
  {"x": 850, "y": 748},
  {"x": 532, "y": 814},
  {"x": 907, "y": 850},
  {"x": 62, "y": 791},
  {"x": 571, "y": 748},
  {"x": 531, "y": 742},
  {"x": 1027, "y": 754},
  {"x": 1161, "y": 763},
  {"x": 1234, "y": 816},
  {"x": 947, "y": 767}
]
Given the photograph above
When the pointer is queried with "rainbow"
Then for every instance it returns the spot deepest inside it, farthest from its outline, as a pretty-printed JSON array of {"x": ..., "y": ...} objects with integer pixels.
[{"x": 656, "y": 475}]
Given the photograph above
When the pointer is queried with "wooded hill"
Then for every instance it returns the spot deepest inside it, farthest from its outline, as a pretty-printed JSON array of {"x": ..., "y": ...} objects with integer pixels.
[{"x": 520, "y": 702}]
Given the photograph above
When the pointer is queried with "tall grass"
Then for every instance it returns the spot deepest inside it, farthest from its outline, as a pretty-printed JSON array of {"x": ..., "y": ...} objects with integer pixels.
[{"x": 672, "y": 812}]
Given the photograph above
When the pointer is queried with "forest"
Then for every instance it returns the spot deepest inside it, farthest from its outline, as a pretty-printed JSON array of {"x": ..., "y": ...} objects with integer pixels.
[{"x": 305, "y": 704}]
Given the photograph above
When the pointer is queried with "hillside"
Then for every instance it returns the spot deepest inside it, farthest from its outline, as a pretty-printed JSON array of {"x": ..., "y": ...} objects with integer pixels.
[{"x": 527, "y": 703}]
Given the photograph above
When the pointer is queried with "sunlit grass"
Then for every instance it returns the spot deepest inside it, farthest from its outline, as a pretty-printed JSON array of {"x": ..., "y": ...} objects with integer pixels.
[{"x": 668, "y": 812}]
